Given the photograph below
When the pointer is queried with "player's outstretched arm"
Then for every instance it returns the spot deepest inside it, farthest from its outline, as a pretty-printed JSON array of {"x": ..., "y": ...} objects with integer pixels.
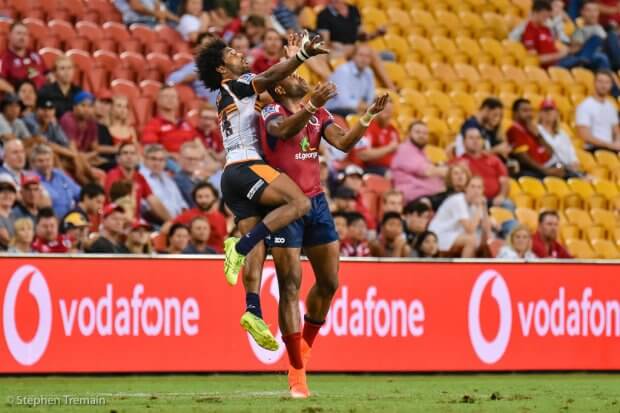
[
  {"x": 346, "y": 140},
  {"x": 286, "y": 127},
  {"x": 305, "y": 47}
]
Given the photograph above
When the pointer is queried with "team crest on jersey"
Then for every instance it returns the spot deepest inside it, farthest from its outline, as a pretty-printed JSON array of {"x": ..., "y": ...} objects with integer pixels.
[
  {"x": 246, "y": 78},
  {"x": 269, "y": 110}
]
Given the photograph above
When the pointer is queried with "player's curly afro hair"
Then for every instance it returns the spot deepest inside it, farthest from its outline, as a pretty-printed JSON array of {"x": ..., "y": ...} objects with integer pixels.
[{"x": 209, "y": 58}]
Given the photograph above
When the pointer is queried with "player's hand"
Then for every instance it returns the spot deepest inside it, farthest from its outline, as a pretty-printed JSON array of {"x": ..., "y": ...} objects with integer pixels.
[
  {"x": 293, "y": 45},
  {"x": 314, "y": 46},
  {"x": 322, "y": 93},
  {"x": 378, "y": 105}
]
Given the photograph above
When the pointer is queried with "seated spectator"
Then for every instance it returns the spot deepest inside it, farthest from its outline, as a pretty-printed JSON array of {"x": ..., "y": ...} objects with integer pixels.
[
  {"x": 340, "y": 24},
  {"x": 544, "y": 243},
  {"x": 392, "y": 201},
  {"x": 111, "y": 235},
  {"x": 561, "y": 144},
  {"x": 356, "y": 243},
  {"x": 80, "y": 126},
  {"x": 456, "y": 181},
  {"x": 127, "y": 169},
  {"x": 391, "y": 241},
  {"x": 344, "y": 200},
  {"x": 355, "y": 82},
  {"x": 14, "y": 162},
  {"x": 162, "y": 185},
  {"x": 241, "y": 44},
  {"x": 597, "y": 118},
  {"x": 269, "y": 53},
  {"x": 62, "y": 91},
  {"x": 148, "y": 12},
  {"x": 286, "y": 12},
  {"x": 90, "y": 203},
  {"x": 8, "y": 195},
  {"x": 165, "y": 128},
  {"x": 11, "y": 126},
  {"x": 376, "y": 149},
  {"x": 178, "y": 239},
  {"x": 194, "y": 20},
  {"x": 591, "y": 28},
  {"x": 62, "y": 190},
  {"x": 42, "y": 123},
  {"x": 413, "y": 173},
  {"x": 264, "y": 9},
  {"x": 426, "y": 246},
  {"x": 417, "y": 216},
  {"x": 24, "y": 236},
  {"x": 48, "y": 239},
  {"x": 462, "y": 222},
  {"x": 530, "y": 149},
  {"x": 254, "y": 28},
  {"x": 340, "y": 222},
  {"x": 122, "y": 194},
  {"x": 18, "y": 62},
  {"x": 27, "y": 94},
  {"x": 188, "y": 75},
  {"x": 77, "y": 228},
  {"x": 518, "y": 246},
  {"x": 192, "y": 170},
  {"x": 32, "y": 198},
  {"x": 489, "y": 167},
  {"x": 610, "y": 13},
  {"x": 120, "y": 129},
  {"x": 488, "y": 120},
  {"x": 139, "y": 238},
  {"x": 211, "y": 138},
  {"x": 206, "y": 200},
  {"x": 199, "y": 231},
  {"x": 353, "y": 179}
]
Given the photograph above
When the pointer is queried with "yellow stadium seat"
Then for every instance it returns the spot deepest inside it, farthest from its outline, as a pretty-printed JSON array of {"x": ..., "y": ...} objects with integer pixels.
[
  {"x": 616, "y": 236},
  {"x": 374, "y": 17},
  {"x": 448, "y": 76},
  {"x": 514, "y": 74},
  {"x": 424, "y": 48},
  {"x": 398, "y": 45},
  {"x": 578, "y": 217},
  {"x": 559, "y": 188},
  {"x": 607, "y": 158},
  {"x": 523, "y": 201},
  {"x": 605, "y": 218},
  {"x": 580, "y": 249},
  {"x": 514, "y": 188},
  {"x": 516, "y": 49},
  {"x": 585, "y": 190},
  {"x": 438, "y": 99},
  {"x": 454, "y": 124},
  {"x": 501, "y": 215},
  {"x": 565, "y": 107},
  {"x": 527, "y": 217},
  {"x": 469, "y": 74},
  {"x": 538, "y": 75},
  {"x": 586, "y": 160},
  {"x": 595, "y": 232},
  {"x": 400, "y": 18},
  {"x": 435, "y": 154},
  {"x": 471, "y": 48},
  {"x": 605, "y": 249},
  {"x": 507, "y": 100},
  {"x": 438, "y": 130},
  {"x": 307, "y": 18},
  {"x": 568, "y": 231},
  {"x": 537, "y": 191},
  {"x": 425, "y": 19},
  {"x": 396, "y": 72},
  {"x": 493, "y": 48},
  {"x": 465, "y": 101},
  {"x": 448, "y": 20},
  {"x": 534, "y": 98},
  {"x": 473, "y": 22},
  {"x": 606, "y": 188},
  {"x": 448, "y": 49},
  {"x": 420, "y": 73},
  {"x": 561, "y": 76},
  {"x": 413, "y": 98},
  {"x": 495, "y": 25},
  {"x": 584, "y": 76},
  {"x": 492, "y": 74}
]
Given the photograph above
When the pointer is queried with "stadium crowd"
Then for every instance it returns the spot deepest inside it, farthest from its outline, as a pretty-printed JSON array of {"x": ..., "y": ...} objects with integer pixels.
[{"x": 79, "y": 174}]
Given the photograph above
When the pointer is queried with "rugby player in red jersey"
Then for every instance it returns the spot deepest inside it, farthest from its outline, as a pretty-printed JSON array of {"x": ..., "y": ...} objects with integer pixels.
[{"x": 291, "y": 132}]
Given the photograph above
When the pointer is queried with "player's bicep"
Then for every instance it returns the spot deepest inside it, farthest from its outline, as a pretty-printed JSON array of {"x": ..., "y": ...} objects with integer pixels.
[
  {"x": 333, "y": 134},
  {"x": 273, "y": 124}
]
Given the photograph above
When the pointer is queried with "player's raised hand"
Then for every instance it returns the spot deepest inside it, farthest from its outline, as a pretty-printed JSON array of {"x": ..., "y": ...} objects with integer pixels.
[
  {"x": 293, "y": 45},
  {"x": 321, "y": 93},
  {"x": 310, "y": 47},
  {"x": 378, "y": 105}
]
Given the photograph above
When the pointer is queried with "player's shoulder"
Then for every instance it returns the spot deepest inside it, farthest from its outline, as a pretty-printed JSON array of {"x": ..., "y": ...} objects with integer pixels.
[
  {"x": 246, "y": 78},
  {"x": 272, "y": 109},
  {"x": 324, "y": 115}
]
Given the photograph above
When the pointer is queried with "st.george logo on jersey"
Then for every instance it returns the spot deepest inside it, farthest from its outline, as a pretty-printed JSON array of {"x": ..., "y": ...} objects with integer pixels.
[{"x": 307, "y": 152}]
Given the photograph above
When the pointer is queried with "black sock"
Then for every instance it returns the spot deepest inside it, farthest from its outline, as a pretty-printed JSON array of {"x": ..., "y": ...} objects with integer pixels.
[
  {"x": 249, "y": 240},
  {"x": 252, "y": 304}
]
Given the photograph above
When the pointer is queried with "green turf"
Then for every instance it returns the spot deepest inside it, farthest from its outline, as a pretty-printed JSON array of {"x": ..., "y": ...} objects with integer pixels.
[{"x": 331, "y": 393}]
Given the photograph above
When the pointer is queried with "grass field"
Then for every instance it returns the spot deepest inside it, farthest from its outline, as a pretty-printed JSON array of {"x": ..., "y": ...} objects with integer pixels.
[{"x": 331, "y": 393}]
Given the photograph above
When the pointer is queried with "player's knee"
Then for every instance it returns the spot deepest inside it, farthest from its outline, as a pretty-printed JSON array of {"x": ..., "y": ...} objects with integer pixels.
[
  {"x": 328, "y": 286},
  {"x": 302, "y": 206},
  {"x": 289, "y": 289}
]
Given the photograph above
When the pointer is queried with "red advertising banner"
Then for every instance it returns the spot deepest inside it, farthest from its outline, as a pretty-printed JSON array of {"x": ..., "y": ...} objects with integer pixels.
[{"x": 158, "y": 315}]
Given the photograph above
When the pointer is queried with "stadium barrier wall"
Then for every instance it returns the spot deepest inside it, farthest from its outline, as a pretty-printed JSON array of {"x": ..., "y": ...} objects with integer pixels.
[{"x": 179, "y": 315}]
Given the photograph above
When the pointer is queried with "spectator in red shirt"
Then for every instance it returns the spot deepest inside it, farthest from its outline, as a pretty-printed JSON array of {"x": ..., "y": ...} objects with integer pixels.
[
  {"x": 166, "y": 128},
  {"x": 211, "y": 138},
  {"x": 20, "y": 63},
  {"x": 79, "y": 124},
  {"x": 376, "y": 149},
  {"x": 544, "y": 243},
  {"x": 538, "y": 38},
  {"x": 356, "y": 244},
  {"x": 127, "y": 159},
  {"x": 610, "y": 12},
  {"x": 269, "y": 53},
  {"x": 48, "y": 238},
  {"x": 206, "y": 199},
  {"x": 489, "y": 167},
  {"x": 529, "y": 148}
]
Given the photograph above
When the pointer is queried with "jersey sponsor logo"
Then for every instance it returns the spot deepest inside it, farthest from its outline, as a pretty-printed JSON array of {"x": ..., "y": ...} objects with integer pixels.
[
  {"x": 269, "y": 110},
  {"x": 307, "y": 151},
  {"x": 255, "y": 188},
  {"x": 279, "y": 240}
]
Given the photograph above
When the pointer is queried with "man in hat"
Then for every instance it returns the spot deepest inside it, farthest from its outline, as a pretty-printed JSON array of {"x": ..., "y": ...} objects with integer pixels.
[
  {"x": 11, "y": 126},
  {"x": 75, "y": 225},
  {"x": 344, "y": 200},
  {"x": 110, "y": 239},
  {"x": 43, "y": 122},
  {"x": 90, "y": 203},
  {"x": 8, "y": 194},
  {"x": 63, "y": 91},
  {"x": 48, "y": 239},
  {"x": 32, "y": 198},
  {"x": 80, "y": 125},
  {"x": 19, "y": 62}
]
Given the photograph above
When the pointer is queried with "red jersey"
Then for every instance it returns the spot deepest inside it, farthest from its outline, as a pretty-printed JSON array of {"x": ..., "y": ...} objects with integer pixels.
[
  {"x": 351, "y": 249},
  {"x": 298, "y": 157},
  {"x": 523, "y": 141},
  {"x": 140, "y": 186},
  {"x": 14, "y": 68},
  {"x": 490, "y": 168},
  {"x": 539, "y": 39},
  {"x": 61, "y": 244},
  {"x": 606, "y": 18},
  {"x": 377, "y": 137},
  {"x": 555, "y": 251},
  {"x": 217, "y": 221},
  {"x": 170, "y": 135},
  {"x": 263, "y": 62}
]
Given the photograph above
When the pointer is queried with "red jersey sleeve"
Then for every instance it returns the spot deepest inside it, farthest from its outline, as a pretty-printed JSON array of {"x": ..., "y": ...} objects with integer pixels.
[
  {"x": 529, "y": 37},
  {"x": 5, "y": 65},
  {"x": 271, "y": 112},
  {"x": 518, "y": 138},
  {"x": 150, "y": 133},
  {"x": 145, "y": 188}
]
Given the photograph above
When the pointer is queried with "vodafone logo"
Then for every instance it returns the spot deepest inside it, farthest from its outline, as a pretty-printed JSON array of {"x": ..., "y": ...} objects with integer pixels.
[
  {"x": 490, "y": 351},
  {"x": 27, "y": 352},
  {"x": 263, "y": 355}
]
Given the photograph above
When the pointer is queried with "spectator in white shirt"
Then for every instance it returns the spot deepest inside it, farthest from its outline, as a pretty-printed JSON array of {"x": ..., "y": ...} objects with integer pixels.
[
  {"x": 519, "y": 245},
  {"x": 194, "y": 20},
  {"x": 597, "y": 117},
  {"x": 549, "y": 128},
  {"x": 161, "y": 183}
]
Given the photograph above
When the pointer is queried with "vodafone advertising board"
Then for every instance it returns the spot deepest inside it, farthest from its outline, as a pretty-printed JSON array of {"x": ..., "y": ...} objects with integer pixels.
[{"x": 146, "y": 315}]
